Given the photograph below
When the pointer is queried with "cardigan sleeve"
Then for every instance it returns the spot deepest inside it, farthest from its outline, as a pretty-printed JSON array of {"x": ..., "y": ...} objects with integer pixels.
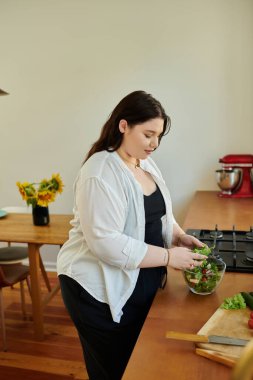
[{"x": 102, "y": 215}]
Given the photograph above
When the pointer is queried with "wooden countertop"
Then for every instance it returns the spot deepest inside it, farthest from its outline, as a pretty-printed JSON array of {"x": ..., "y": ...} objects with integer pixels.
[
  {"x": 207, "y": 209},
  {"x": 175, "y": 308}
]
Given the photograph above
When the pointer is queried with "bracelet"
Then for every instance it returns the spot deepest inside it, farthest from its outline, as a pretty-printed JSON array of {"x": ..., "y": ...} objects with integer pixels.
[{"x": 166, "y": 257}]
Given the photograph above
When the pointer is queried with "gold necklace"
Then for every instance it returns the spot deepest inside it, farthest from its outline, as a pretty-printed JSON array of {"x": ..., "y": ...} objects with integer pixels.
[{"x": 137, "y": 164}]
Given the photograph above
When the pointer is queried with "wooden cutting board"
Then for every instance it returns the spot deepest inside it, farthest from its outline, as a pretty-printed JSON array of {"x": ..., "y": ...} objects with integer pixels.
[{"x": 233, "y": 323}]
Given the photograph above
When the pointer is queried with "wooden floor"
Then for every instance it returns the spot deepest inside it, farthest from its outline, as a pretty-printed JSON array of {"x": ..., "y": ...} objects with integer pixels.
[{"x": 58, "y": 357}]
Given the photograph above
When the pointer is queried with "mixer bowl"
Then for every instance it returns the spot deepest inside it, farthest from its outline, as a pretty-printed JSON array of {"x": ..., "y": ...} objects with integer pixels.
[{"x": 228, "y": 179}]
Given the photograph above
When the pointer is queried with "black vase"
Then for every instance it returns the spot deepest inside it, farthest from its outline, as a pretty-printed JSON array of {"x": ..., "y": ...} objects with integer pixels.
[{"x": 40, "y": 216}]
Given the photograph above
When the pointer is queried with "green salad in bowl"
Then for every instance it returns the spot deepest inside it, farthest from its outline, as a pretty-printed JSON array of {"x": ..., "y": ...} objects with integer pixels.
[{"x": 205, "y": 278}]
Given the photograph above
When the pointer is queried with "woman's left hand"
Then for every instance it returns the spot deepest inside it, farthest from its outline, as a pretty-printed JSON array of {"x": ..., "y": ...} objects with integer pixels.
[{"x": 189, "y": 241}]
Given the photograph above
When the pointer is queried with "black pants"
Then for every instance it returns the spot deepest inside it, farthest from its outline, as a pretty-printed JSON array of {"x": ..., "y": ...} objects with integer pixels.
[{"x": 107, "y": 345}]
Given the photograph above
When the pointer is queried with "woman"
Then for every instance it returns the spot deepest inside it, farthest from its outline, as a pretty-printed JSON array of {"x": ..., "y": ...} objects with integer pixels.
[{"x": 124, "y": 236}]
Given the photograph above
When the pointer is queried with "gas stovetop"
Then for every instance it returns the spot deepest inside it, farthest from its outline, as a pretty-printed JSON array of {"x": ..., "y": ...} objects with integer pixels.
[{"x": 235, "y": 248}]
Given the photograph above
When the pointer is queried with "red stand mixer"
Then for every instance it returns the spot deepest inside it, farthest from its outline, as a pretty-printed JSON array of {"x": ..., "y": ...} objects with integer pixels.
[{"x": 235, "y": 179}]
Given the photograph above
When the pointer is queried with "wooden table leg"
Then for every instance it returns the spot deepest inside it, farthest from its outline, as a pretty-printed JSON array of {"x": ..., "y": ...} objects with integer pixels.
[{"x": 37, "y": 308}]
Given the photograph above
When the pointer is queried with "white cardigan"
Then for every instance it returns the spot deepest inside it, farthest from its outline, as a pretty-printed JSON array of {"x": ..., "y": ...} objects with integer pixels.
[{"x": 106, "y": 242}]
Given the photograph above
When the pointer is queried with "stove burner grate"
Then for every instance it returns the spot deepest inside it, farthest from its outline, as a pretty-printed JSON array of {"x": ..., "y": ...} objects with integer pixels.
[
  {"x": 247, "y": 263},
  {"x": 216, "y": 234},
  {"x": 249, "y": 235},
  {"x": 234, "y": 247},
  {"x": 249, "y": 256}
]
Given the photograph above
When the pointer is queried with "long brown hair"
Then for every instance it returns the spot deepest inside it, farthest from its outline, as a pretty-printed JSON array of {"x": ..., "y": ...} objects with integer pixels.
[{"x": 136, "y": 108}]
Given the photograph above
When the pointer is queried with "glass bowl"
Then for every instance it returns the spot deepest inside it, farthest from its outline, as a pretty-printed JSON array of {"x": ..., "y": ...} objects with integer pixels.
[{"x": 205, "y": 279}]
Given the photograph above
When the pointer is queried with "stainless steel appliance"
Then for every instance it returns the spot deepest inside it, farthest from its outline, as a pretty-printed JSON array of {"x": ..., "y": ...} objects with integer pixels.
[
  {"x": 234, "y": 247},
  {"x": 235, "y": 176}
]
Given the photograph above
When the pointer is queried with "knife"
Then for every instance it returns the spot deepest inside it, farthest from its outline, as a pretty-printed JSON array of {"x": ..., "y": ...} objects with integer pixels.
[{"x": 206, "y": 338}]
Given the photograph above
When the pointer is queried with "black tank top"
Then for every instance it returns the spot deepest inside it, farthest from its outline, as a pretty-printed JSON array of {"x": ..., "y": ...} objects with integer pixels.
[
  {"x": 154, "y": 210},
  {"x": 149, "y": 279}
]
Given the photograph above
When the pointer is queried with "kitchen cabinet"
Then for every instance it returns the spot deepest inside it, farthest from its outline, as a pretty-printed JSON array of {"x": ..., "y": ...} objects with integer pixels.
[{"x": 175, "y": 308}]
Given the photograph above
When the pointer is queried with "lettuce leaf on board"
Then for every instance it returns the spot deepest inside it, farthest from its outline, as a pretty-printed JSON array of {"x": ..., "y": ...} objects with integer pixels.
[{"x": 233, "y": 303}]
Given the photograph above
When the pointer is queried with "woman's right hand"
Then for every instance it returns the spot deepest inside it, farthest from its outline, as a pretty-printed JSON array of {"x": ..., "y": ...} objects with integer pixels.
[{"x": 183, "y": 258}]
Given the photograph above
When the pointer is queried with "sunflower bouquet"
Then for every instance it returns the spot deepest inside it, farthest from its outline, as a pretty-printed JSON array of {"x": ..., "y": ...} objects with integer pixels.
[{"x": 41, "y": 193}]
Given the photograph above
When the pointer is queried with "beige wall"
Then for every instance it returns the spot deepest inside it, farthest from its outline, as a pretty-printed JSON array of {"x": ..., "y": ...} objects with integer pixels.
[{"x": 67, "y": 63}]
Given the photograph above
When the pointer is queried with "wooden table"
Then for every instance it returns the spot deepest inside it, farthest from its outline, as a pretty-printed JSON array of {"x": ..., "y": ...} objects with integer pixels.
[
  {"x": 19, "y": 228},
  {"x": 175, "y": 308}
]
